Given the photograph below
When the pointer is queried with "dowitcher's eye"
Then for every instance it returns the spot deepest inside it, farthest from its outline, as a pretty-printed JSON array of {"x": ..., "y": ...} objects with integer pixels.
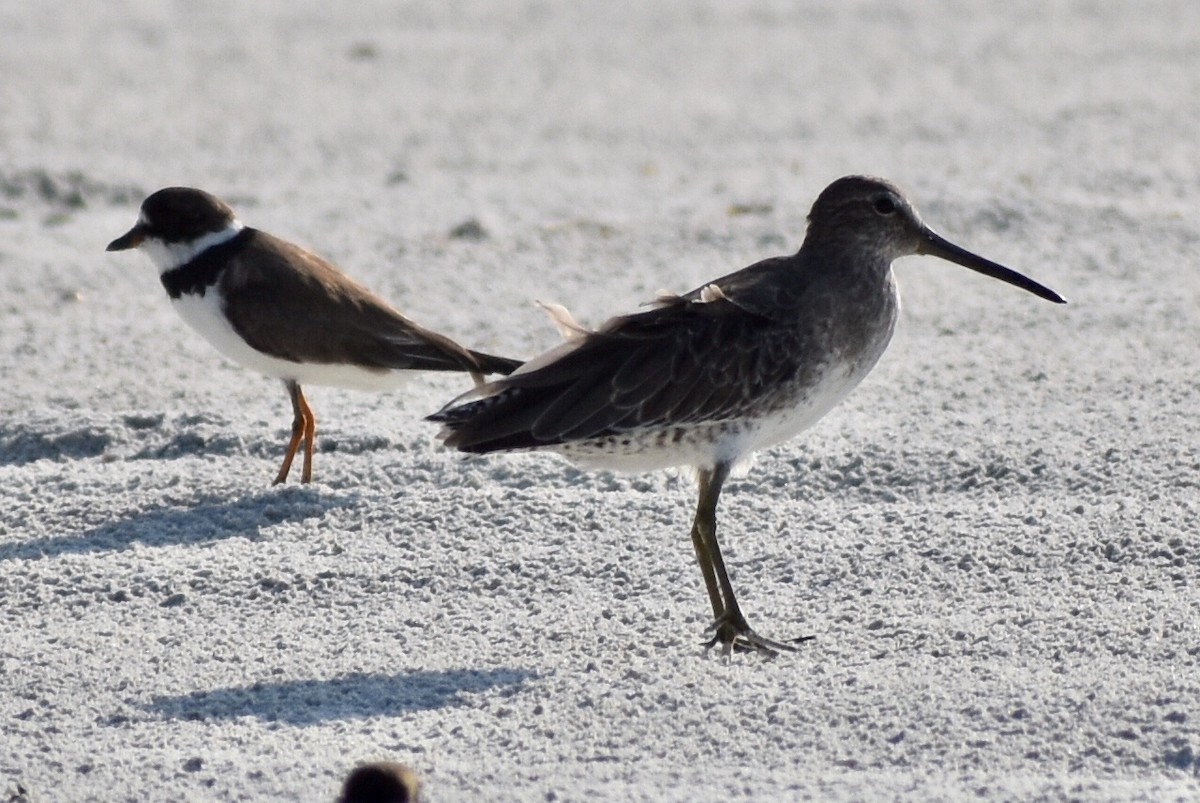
[{"x": 885, "y": 205}]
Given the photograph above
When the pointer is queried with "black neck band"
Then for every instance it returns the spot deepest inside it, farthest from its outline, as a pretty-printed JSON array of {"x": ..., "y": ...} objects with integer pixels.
[{"x": 204, "y": 269}]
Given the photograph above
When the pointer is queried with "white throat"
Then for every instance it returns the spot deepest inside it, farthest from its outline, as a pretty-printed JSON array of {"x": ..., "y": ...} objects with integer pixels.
[{"x": 167, "y": 256}]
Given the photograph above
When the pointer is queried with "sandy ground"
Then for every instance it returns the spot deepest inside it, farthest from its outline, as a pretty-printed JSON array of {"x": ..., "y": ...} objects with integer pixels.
[{"x": 994, "y": 540}]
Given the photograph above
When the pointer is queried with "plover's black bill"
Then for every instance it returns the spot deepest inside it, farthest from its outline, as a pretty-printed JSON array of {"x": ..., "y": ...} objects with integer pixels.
[
  {"x": 130, "y": 239},
  {"x": 936, "y": 245}
]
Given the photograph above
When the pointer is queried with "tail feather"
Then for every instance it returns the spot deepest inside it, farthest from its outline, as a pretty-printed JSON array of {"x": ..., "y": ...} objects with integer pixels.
[
  {"x": 489, "y": 424},
  {"x": 491, "y": 364}
]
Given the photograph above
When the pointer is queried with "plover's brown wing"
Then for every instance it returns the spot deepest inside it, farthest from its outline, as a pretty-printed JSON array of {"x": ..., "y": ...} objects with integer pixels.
[
  {"x": 682, "y": 363},
  {"x": 292, "y": 304}
]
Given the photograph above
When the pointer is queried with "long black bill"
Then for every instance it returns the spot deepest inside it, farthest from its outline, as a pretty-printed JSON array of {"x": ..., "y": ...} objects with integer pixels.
[
  {"x": 130, "y": 239},
  {"x": 936, "y": 245}
]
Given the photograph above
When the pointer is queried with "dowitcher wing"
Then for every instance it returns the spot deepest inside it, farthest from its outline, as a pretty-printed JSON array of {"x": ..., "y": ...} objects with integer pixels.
[{"x": 706, "y": 356}]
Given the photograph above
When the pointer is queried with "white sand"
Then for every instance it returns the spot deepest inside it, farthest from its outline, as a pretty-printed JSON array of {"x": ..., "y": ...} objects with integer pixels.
[{"x": 994, "y": 539}]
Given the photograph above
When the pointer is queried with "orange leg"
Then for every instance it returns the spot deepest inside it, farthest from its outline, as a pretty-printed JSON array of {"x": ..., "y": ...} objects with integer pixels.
[
  {"x": 310, "y": 440},
  {"x": 304, "y": 428}
]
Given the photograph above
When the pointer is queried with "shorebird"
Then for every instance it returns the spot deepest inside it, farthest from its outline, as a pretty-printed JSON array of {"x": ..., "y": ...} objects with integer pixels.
[
  {"x": 741, "y": 363},
  {"x": 381, "y": 782},
  {"x": 283, "y": 311}
]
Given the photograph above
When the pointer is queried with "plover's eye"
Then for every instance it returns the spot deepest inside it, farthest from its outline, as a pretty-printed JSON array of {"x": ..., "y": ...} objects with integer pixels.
[{"x": 884, "y": 205}]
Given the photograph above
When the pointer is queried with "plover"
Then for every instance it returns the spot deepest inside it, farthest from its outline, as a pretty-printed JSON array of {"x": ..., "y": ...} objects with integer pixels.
[
  {"x": 283, "y": 311},
  {"x": 742, "y": 363}
]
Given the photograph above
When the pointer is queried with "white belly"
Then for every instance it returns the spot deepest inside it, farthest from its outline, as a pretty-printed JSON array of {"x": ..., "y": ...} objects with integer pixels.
[
  {"x": 203, "y": 313},
  {"x": 786, "y": 424}
]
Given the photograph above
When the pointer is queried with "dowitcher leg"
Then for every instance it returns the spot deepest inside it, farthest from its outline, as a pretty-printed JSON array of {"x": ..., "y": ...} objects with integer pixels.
[
  {"x": 304, "y": 428},
  {"x": 729, "y": 627},
  {"x": 708, "y": 506}
]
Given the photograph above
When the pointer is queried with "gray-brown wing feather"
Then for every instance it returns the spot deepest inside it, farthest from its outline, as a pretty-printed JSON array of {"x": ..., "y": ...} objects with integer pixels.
[
  {"x": 320, "y": 315},
  {"x": 681, "y": 364}
]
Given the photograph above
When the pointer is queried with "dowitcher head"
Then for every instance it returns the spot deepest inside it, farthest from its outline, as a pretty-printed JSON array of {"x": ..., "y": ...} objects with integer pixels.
[{"x": 864, "y": 223}]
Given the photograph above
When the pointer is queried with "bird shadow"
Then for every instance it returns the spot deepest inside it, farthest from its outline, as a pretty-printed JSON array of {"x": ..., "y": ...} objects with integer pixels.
[
  {"x": 211, "y": 520},
  {"x": 354, "y": 696}
]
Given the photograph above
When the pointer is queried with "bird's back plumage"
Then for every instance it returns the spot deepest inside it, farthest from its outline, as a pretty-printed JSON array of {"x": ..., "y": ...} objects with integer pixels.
[{"x": 320, "y": 315}]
